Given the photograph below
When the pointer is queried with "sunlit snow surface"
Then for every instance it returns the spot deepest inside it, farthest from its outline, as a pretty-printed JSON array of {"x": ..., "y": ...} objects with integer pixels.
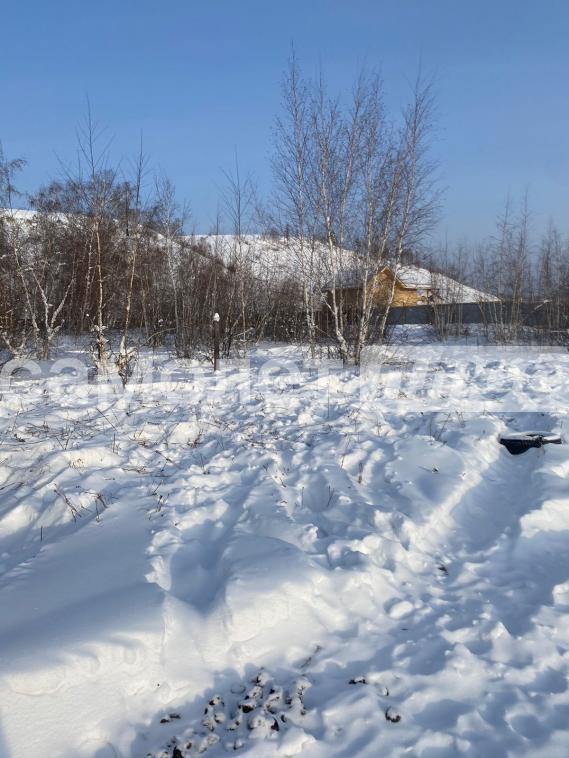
[{"x": 352, "y": 558}]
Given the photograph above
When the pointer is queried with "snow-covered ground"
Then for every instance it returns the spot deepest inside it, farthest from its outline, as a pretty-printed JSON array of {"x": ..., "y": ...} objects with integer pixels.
[{"x": 292, "y": 559}]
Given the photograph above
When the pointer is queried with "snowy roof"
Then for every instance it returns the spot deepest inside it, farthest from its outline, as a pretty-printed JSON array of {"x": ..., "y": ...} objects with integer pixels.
[
  {"x": 415, "y": 277},
  {"x": 449, "y": 290},
  {"x": 453, "y": 291}
]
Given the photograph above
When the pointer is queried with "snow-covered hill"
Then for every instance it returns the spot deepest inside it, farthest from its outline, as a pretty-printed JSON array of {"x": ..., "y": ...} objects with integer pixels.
[
  {"x": 286, "y": 562},
  {"x": 273, "y": 259}
]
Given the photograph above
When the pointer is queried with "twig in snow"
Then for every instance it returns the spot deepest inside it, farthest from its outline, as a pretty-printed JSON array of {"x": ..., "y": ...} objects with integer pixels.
[
  {"x": 74, "y": 512},
  {"x": 331, "y": 495}
]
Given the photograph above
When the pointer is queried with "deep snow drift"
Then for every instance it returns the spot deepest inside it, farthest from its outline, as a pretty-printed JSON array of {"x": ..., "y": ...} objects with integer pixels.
[{"x": 291, "y": 560}]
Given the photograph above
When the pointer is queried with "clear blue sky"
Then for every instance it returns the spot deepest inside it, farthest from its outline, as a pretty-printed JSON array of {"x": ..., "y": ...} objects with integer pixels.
[{"x": 201, "y": 78}]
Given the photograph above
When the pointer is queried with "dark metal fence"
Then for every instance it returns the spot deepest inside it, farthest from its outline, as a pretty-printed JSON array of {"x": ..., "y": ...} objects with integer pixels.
[
  {"x": 503, "y": 321},
  {"x": 525, "y": 314}
]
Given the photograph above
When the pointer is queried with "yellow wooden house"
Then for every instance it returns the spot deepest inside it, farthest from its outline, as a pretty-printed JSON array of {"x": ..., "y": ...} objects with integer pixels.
[{"x": 413, "y": 286}]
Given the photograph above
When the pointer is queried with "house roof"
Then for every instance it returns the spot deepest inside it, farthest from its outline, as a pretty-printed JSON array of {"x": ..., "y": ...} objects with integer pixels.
[
  {"x": 417, "y": 278},
  {"x": 452, "y": 291},
  {"x": 414, "y": 277}
]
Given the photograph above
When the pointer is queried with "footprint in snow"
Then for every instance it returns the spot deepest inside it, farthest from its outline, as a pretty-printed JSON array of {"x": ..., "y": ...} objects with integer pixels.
[{"x": 400, "y": 609}]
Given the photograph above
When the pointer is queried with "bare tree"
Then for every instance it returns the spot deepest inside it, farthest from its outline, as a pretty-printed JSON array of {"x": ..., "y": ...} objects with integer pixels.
[
  {"x": 136, "y": 218},
  {"x": 239, "y": 204},
  {"x": 417, "y": 193},
  {"x": 94, "y": 184},
  {"x": 337, "y": 141},
  {"x": 291, "y": 171},
  {"x": 13, "y": 331},
  {"x": 37, "y": 265},
  {"x": 380, "y": 179},
  {"x": 364, "y": 187}
]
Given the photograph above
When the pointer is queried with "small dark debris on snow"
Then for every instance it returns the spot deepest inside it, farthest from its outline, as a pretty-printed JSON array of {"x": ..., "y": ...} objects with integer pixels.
[
  {"x": 520, "y": 442},
  {"x": 443, "y": 569},
  {"x": 393, "y": 716},
  {"x": 263, "y": 702},
  {"x": 358, "y": 680}
]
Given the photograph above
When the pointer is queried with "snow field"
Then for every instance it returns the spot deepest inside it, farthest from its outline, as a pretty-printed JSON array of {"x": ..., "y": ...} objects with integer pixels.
[{"x": 365, "y": 568}]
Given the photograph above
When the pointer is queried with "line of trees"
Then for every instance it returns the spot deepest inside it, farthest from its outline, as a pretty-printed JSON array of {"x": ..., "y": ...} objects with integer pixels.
[
  {"x": 102, "y": 252},
  {"x": 527, "y": 273},
  {"x": 106, "y": 251}
]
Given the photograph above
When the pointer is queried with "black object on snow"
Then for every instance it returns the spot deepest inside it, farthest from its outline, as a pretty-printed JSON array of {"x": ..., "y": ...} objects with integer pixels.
[{"x": 517, "y": 443}]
